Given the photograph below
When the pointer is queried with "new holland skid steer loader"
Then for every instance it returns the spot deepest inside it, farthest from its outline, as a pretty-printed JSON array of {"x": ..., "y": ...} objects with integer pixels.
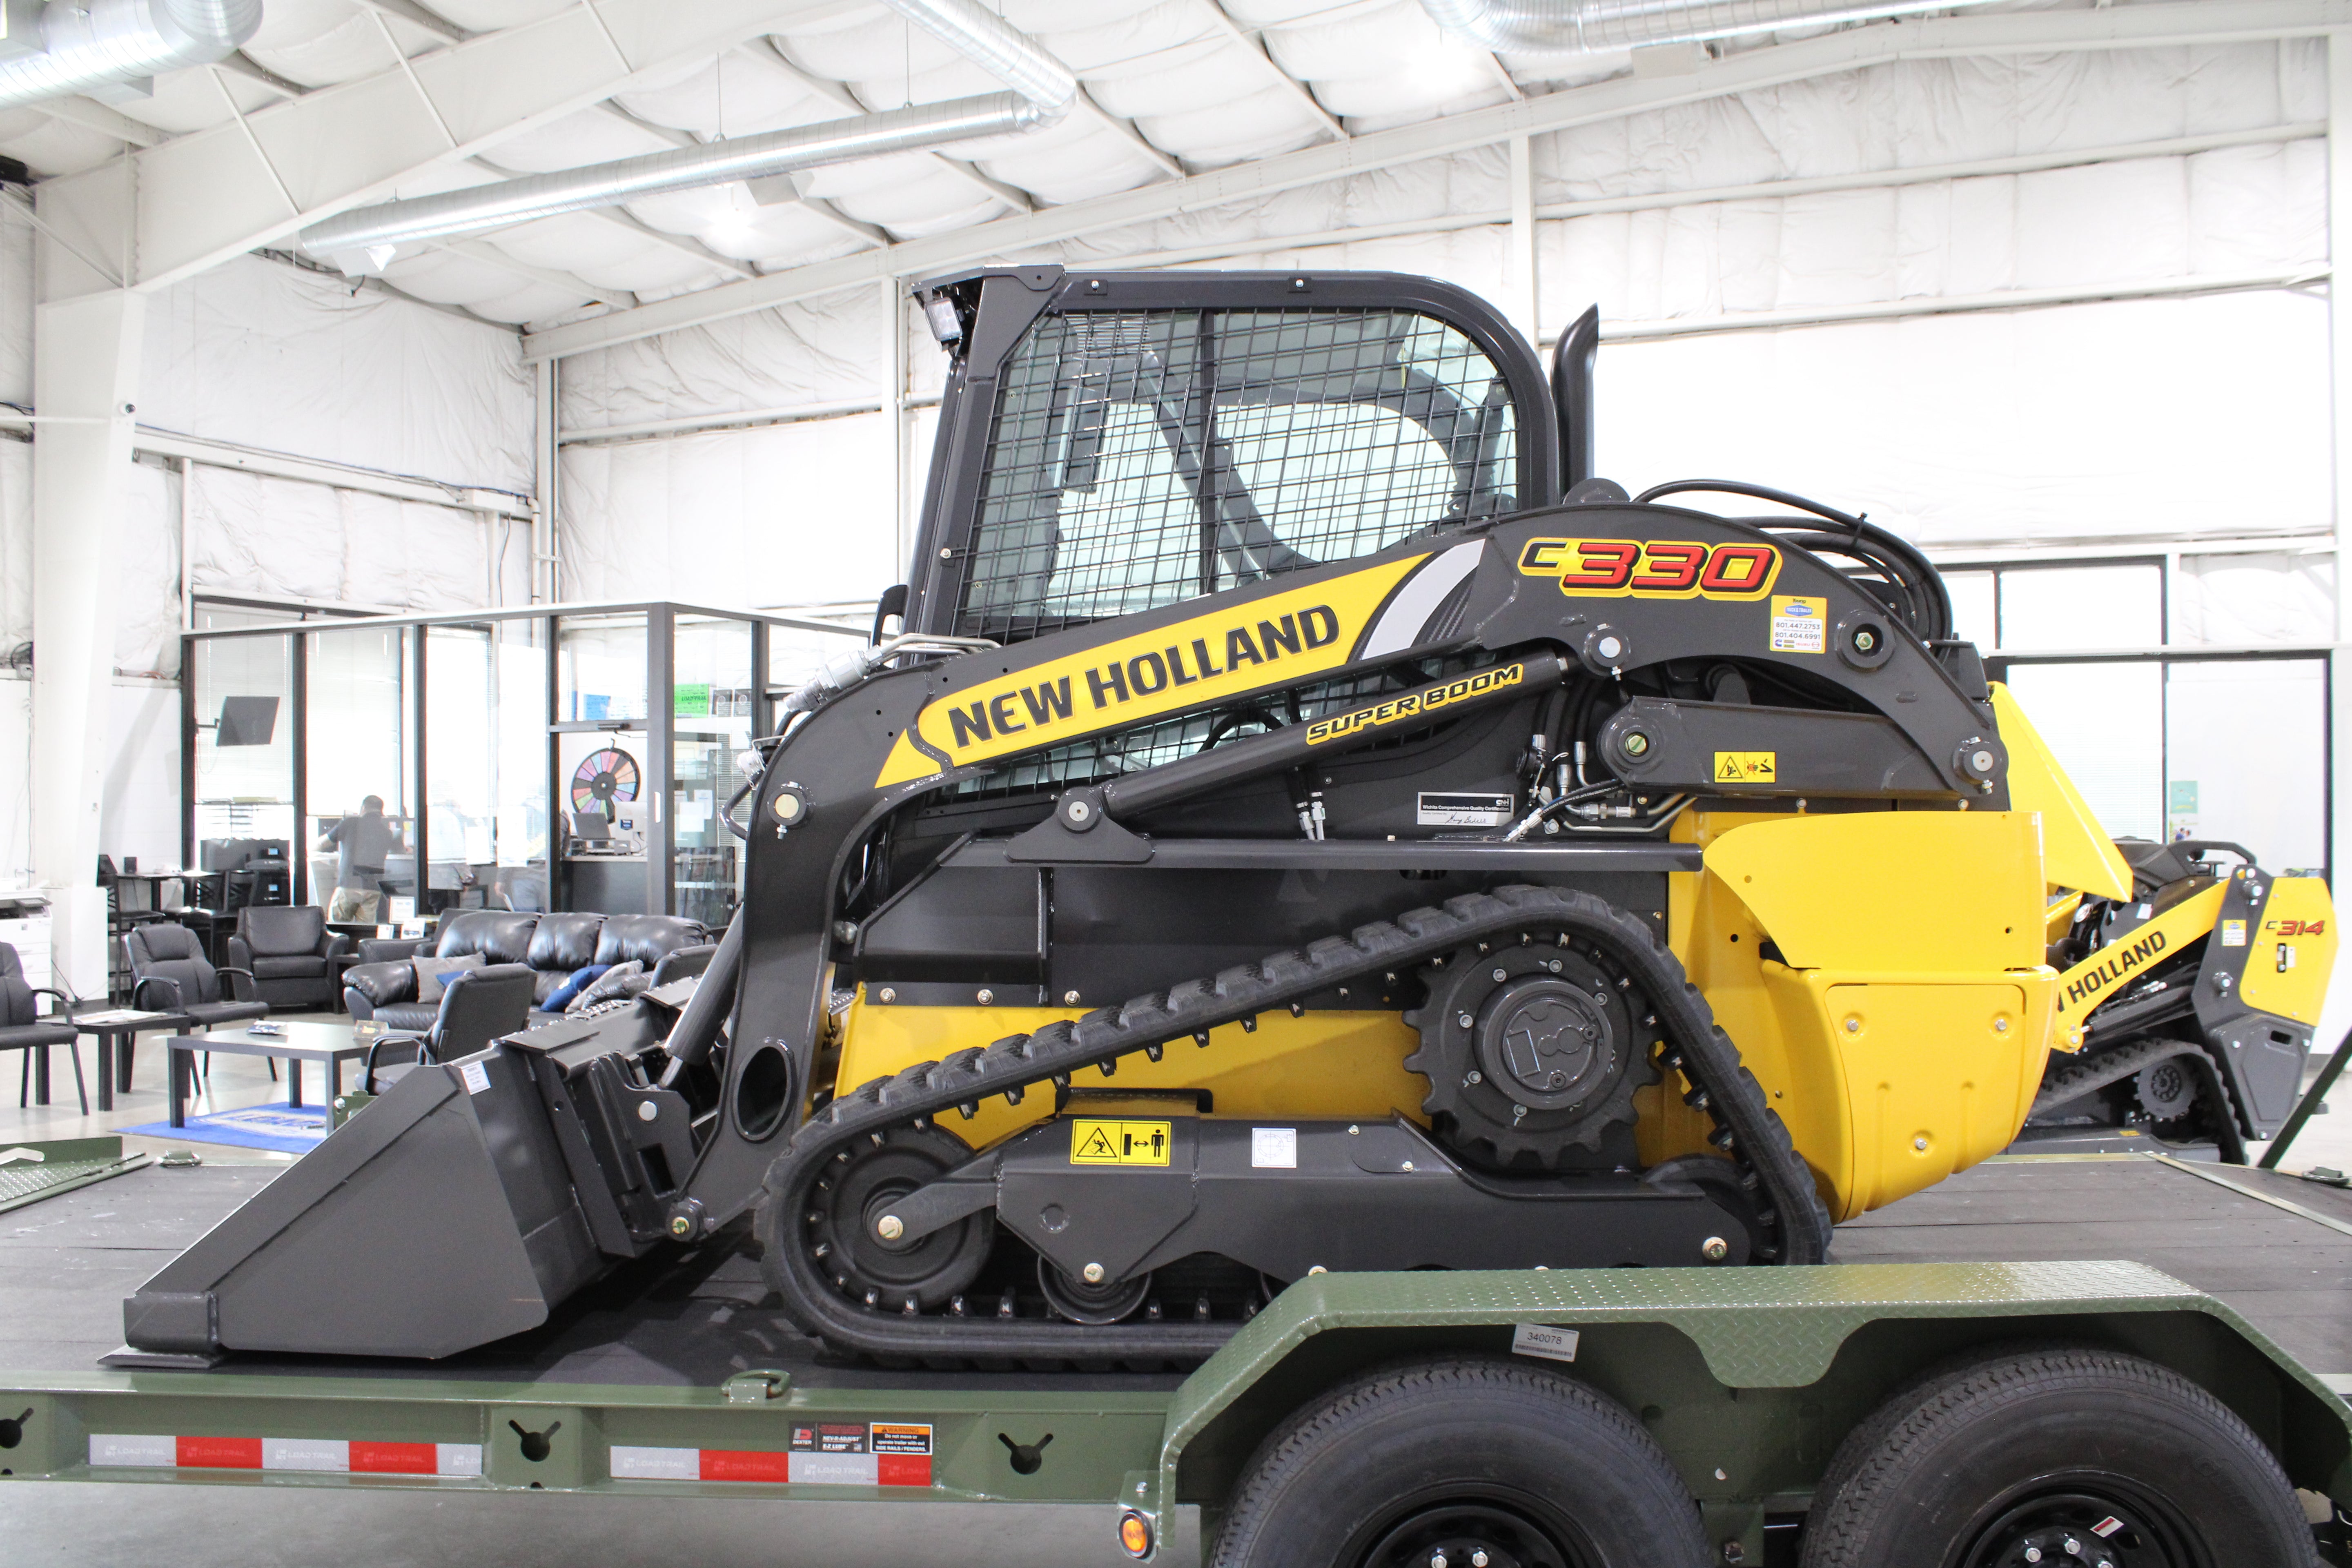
[{"x": 1309, "y": 822}]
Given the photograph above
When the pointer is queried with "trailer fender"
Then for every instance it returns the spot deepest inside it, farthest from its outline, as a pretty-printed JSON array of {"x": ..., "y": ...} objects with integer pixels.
[{"x": 1747, "y": 1377}]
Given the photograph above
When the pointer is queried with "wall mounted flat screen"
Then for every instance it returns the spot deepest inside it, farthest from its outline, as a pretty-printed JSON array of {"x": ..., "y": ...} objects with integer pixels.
[{"x": 247, "y": 721}]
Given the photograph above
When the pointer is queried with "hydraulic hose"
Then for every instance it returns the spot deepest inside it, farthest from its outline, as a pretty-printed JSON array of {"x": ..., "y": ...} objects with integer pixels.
[{"x": 697, "y": 1029}]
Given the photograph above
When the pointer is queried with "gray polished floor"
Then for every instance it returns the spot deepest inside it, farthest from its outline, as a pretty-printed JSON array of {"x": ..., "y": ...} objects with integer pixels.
[{"x": 103, "y": 1524}]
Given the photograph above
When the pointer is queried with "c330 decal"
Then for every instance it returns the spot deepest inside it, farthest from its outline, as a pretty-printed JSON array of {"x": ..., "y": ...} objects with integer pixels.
[{"x": 1653, "y": 568}]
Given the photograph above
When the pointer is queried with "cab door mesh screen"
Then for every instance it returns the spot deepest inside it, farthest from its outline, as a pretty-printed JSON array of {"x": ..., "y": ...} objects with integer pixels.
[{"x": 1140, "y": 458}]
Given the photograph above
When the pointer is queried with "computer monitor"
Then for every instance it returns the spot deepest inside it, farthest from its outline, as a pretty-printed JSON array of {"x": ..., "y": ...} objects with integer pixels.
[
  {"x": 247, "y": 721},
  {"x": 591, "y": 824}
]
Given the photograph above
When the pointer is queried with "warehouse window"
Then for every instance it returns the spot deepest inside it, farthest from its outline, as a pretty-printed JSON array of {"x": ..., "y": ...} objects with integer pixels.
[
  {"x": 2168, "y": 736},
  {"x": 1142, "y": 458}
]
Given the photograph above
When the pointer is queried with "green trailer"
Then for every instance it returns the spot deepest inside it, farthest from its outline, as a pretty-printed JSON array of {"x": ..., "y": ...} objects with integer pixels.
[{"x": 1478, "y": 1412}]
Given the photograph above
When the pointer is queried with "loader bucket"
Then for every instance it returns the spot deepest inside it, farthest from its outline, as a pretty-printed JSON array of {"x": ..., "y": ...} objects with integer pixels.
[{"x": 440, "y": 1218}]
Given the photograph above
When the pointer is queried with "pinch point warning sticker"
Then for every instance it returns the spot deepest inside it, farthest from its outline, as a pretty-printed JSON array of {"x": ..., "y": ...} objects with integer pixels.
[
  {"x": 1799, "y": 624},
  {"x": 1747, "y": 767},
  {"x": 1096, "y": 1142}
]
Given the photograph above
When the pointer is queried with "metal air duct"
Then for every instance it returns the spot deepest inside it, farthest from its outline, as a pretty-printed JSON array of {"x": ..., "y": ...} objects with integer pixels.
[
  {"x": 996, "y": 47},
  {"x": 1554, "y": 27},
  {"x": 362, "y": 240},
  {"x": 111, "y": 49}
]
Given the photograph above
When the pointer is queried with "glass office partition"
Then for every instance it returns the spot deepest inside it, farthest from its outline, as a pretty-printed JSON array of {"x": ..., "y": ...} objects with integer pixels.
[
  {"x": 518, "y": 724},
  {"x": 243, "y": 749},
  {"x": 710, "y": 706},
  {"x": 517, "y": 750},
  {"x": 600, "y": 668},
  {"x": 460, "y": 767},
  {"x": 604, "y": 765},
  {"x": 357, "y": 741}
]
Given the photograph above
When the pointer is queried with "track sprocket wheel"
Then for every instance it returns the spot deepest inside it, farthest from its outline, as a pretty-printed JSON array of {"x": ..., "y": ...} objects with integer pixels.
[
  {"x": 843, "y": 1226},
  {"x": 1532, "y": 1050}
]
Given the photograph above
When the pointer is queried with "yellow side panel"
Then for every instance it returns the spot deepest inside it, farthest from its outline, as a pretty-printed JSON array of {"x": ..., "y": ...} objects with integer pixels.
[
  {"x": 2075, "y": 851},
  {"x": 1931, "y": 1073},
  {"x": 1932, "y": 890},
  {"x": 1324, "y": 1064},
  {"x": 2286, "y": 973}
]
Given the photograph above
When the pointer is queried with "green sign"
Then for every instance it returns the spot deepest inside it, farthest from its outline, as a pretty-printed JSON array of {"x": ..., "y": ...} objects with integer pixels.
[
  {"x": 694, "y": 702},
  {"x": 2183, "y": 794}
]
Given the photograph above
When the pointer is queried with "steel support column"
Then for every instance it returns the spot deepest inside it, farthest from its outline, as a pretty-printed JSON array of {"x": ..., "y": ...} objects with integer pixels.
[
  {"x": 1520, "y": 266},
  {"x": 85, "y": 370}
]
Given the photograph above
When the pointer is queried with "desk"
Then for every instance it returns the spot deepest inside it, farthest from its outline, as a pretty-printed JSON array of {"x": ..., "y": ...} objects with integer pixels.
[
  {"x": 152, "y": 881},
  {"x": 329, "y": 1045},
  {"x": 112, "y": 1024}
]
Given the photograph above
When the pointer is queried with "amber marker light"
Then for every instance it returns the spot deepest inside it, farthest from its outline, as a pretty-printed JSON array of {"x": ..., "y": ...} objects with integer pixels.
[{"x": 1134, "y": 1533}]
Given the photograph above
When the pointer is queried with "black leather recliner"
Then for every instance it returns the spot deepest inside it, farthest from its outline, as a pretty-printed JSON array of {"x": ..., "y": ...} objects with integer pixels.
[
  {"x": 169, "y": 975},
  {"x": 22, "y": 1027},
  {"x": 475, "y": 1008},
  {"x": 290, "y": 951},
  {"x": 551, "y": 945}
]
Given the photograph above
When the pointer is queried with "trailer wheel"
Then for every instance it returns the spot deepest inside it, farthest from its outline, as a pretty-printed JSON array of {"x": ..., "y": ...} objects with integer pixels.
[
  {"x": 1474, "y": 1463},
  {"x": 2075, "y": 1458}
]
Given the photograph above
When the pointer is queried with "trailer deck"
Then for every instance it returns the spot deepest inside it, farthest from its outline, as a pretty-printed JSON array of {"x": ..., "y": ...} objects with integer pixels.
[
  {"x": 677, "y": 1377},
  {"x": 694, "y": 1319}
]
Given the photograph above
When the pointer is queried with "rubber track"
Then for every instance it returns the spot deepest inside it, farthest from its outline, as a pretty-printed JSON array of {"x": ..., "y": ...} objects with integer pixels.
[
  {"x": 1745, "y": 1126},
  {"x": 2085, "y": 1074}
]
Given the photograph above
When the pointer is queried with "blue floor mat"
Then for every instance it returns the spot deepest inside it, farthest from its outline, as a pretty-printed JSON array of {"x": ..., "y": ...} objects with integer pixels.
[{"x": 271, "y": 1126}]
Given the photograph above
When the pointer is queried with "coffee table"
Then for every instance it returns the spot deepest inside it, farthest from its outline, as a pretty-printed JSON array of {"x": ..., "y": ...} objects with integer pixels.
[
  {"x": 330, "y": 1045},
  {"x": 118, "y": 1030}
]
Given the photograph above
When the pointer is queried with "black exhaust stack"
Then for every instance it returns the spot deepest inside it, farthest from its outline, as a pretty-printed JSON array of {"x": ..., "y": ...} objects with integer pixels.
[{"x": 1571, "y": 397}]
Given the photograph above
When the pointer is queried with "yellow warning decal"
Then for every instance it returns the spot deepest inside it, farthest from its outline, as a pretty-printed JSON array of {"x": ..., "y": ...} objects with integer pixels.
[
  {"x": 1747, "y": 767},
  {"x": 1098, "y": 1142}
]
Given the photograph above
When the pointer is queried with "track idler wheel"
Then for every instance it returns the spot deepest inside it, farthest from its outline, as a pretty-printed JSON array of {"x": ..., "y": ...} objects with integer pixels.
[
  {"x": 1098, "y": 1302},
  {"x": 1532, "y": 1047},
  {"x": 852, "y": 1235}
]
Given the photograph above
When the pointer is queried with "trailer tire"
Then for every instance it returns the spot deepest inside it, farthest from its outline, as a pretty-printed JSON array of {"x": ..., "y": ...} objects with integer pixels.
[
  {"x": 1445, "y": 1457},
  {"x": 1972, "y": 1465}
]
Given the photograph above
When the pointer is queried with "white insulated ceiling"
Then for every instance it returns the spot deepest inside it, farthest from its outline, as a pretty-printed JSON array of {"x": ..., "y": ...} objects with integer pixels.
[{"x": 1176, "y": 87}]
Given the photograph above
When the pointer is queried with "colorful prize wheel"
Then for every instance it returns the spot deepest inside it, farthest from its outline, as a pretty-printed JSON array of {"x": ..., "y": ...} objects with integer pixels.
[{"x": 602, "y": 778}]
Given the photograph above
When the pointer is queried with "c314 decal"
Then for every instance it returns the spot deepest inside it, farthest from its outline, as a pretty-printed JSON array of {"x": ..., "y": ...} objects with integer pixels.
[{"x": 1653, "y": 568}]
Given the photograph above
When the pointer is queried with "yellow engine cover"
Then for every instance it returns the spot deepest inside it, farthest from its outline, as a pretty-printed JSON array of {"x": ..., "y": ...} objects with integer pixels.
[{"x": 1902, "y": 1030}]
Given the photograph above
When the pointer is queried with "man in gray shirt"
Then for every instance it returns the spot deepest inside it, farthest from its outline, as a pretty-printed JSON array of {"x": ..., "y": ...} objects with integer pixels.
[{"x": 361, "y": 843}]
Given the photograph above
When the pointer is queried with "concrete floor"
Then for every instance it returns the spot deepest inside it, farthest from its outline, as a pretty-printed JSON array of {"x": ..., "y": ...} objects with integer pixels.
[{"x": 293, "y": 1525}]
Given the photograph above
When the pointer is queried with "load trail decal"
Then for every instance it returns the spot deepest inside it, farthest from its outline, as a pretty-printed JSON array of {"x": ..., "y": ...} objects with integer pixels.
[
  {"x": 1653, "y": 568},
  {"x": 822, "y": 1452},
  {"x": 1278, "y": 640},
  {"x": 1429, "y": 700}
]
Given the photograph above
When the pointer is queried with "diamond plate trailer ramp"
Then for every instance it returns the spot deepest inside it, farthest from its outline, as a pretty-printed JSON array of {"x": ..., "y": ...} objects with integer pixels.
[{"x": 1747, "y": 1378}]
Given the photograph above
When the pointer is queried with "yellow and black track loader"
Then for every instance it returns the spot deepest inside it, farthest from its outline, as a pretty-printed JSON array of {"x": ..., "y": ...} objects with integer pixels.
[{"x": 1306, "y": 820}]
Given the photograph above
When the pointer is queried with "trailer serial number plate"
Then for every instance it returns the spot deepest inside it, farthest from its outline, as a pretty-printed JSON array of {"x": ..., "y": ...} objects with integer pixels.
[{"x": 1097, "y": 1143}]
